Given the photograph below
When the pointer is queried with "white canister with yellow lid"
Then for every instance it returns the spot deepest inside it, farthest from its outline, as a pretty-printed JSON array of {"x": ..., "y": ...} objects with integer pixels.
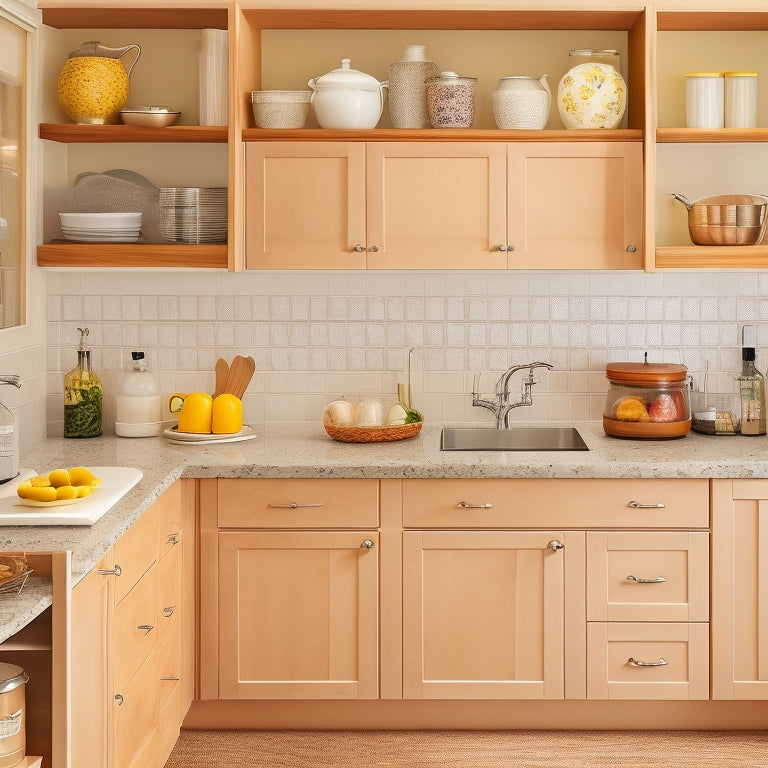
[
  {"x": 704, "y": 106},
  {"x": 740, "y": 99}
]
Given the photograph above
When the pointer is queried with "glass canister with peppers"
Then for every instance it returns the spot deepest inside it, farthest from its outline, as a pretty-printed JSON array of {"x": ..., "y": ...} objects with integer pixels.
[{"x": 647, "y": 400}]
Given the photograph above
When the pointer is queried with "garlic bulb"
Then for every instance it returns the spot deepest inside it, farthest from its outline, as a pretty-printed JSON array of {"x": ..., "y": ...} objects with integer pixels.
[
  {"x": 396, "y": 415},
  {"x": 340, "y": 413},
  {"x": 369, "y": 413}
]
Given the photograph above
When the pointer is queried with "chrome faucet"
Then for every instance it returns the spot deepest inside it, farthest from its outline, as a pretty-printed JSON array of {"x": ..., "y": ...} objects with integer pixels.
[{"x": 501, "y": 406}]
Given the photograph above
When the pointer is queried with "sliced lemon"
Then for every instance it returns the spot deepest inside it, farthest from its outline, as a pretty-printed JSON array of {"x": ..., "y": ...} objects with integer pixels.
[
  {"x": 175, "y": 404},
  {"x": 28, "y": 491}
]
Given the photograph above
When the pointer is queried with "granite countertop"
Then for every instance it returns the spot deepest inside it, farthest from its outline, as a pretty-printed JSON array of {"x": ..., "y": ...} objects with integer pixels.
[{"x": 313, "y": 454}]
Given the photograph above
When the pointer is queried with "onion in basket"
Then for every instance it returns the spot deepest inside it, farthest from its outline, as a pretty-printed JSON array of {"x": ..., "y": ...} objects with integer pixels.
[{"x": 340, "y": 413}]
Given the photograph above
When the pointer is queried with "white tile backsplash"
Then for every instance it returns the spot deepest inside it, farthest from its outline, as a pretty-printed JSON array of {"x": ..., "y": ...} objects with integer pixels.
[{"x": 316, "y": 335}]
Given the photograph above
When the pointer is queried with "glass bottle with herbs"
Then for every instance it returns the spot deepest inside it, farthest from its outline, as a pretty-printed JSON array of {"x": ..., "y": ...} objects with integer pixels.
[
  {"x": 83, "y": 394},
  {"x": 751, "y": 387}
]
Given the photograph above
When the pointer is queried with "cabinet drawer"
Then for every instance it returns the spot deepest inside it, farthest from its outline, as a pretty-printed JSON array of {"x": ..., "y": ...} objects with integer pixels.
[
  {"x": 136, "y": 714},
  {"x": 169, "y": 666},
  {"x": 135, "y": 553},
  {"x": 533, "y": 503},
  {"x": 647, "y": 661},
  {"x": 135, "y": 628},
  {"x": 298, "y": 503},
  {"x": 169, "y": 590},
  {"x": 647, "y": 576}
]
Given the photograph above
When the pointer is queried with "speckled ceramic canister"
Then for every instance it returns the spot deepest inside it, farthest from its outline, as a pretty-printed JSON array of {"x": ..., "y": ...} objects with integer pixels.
[
  {"x": 451, "y": 100},
  {"x": 408, "y": 88}
]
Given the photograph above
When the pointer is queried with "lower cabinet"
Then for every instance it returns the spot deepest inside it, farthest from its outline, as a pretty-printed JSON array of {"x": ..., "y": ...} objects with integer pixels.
[
  {"x": 740, "y": 589},
  {"x": 483, "y": 614},
  {"x": 132, "y": 616}
]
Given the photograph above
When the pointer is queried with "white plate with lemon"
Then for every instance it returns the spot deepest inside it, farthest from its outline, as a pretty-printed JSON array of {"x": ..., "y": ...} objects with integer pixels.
[{"x": 173, "y": 434}]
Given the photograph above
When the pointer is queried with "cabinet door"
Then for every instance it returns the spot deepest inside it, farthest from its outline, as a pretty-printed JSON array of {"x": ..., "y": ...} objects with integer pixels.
[
  {"x": 575, "y": 205},
  {"x": 298, "y": 615},
  {"x": 91, "y": 665},
  {"x": 740, "y": 589},
  {"x": 305, "y": 205},
  {"x": 483, "y": 615},
  {"x": 436, "y": 205}
]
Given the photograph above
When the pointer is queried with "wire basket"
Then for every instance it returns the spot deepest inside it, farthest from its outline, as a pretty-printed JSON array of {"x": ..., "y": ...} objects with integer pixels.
[{"x": 15, "y": 584}]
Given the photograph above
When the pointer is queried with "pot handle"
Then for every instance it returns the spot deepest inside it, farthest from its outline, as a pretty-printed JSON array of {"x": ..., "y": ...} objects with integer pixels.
[
  {"x": 382, "y": 86},
  {"x": 683, "y": 199}
]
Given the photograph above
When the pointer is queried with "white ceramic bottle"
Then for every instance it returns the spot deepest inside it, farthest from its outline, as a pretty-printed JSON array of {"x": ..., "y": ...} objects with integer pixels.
[{"x": 138, "y": 408}]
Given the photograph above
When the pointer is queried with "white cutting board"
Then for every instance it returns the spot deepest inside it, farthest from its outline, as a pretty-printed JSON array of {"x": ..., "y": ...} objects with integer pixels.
[{"x": 115, "y": 483}]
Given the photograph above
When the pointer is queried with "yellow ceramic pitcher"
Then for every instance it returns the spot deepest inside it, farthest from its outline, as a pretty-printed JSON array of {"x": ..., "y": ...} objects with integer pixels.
[{"x": 93, "y": 84}]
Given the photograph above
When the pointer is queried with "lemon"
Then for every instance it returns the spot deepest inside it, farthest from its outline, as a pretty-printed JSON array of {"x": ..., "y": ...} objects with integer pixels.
[
  {"x": 82, "y": 476},
  {"x": 28, "y": 491},
  {"x": 40, "y": 481},
  {"x": 59, "y": 477},
  {"x": 84, "y": 490},
  {"x": 66, "y": 492},
  {"x": 227, "y": 415}
]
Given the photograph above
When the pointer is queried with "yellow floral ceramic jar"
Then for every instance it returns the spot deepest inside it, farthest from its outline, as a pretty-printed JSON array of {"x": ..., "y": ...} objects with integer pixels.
[
  {"x": 93, "y": 84},
  {"x": 592, "y": 94}
]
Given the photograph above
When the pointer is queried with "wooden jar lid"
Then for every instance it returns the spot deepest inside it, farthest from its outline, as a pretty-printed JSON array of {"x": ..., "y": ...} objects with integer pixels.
[{"x": 645, "y": 373}]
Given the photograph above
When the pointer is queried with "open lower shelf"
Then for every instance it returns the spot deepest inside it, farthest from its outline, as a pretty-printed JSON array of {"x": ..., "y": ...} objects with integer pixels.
[
  {"x": 440, "y": 134},
  {"x": 72, "y": 133},
  {"x": 141, "y": 255},
  {"x": 712, "y": 257}
]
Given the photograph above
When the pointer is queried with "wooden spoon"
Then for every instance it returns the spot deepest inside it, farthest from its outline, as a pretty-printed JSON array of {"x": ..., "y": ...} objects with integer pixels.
[
  {"x": 222, "y": 373},
  {"x": 238, "y": 376}
]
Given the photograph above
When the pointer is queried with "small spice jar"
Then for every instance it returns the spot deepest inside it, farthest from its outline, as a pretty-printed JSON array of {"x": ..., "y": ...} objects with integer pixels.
[
  {"x": 704, "y": 101},
  {"x": 740, "y": 89},
  {"x": 647, "y": 400},
  {"x": 451, "y": 100}
]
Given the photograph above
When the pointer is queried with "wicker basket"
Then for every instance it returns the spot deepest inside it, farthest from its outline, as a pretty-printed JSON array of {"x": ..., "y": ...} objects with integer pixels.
[{"x": 373, "y": 434}]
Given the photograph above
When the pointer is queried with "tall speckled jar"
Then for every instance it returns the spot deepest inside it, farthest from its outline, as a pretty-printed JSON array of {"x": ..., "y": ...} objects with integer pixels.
[{"x": 408, "y": 88}]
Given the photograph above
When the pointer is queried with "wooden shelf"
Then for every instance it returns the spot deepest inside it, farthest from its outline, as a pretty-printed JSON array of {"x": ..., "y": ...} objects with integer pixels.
[
  {"x": 697, "y": 20},
  {"x": 130, "y": 255},
  {"x": 134, "y": 18},
  {"x": 439, "y": 134},
  {"x": 710, "y": 135},
  {"x": 71, "y": 133},
  {"x": 712, "y": 257},
  {"x": 618, "y": 20}
]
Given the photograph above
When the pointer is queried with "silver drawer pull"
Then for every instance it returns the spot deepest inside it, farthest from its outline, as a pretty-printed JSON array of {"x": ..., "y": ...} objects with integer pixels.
[
  {"x": 116, "y": 571},
  {"x": 657, "y": 580},
  {"x": 146, "y": 627},
  {"x": 367, "y": 544},
  {"x": 168, "y": 612},
  {"x": 468, "y": 505},
  {"x": 119, "y": 699},
  {"x": 170, "y": 679},
  {"x": 554, "y": 545},
  {"x": 638, "y": 505},
  {"x": 174, "y": 538},
  {"x": 635, "y": 663},
  {"x": 294, "y": 505}
]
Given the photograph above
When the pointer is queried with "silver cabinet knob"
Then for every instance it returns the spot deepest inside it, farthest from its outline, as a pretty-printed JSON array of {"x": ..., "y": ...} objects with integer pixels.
[
  {"x": 374, "y": 249},
  {"x": 359, "y": 248},
  {"x": 631, "y": 248},
  {"x": 168, "y": 612},
  {"x": 554, "y": 545},
  {"x": 502, "y": 248},
  {"x": 367, "y": 544},
  {"x": 116, "y": 571}
]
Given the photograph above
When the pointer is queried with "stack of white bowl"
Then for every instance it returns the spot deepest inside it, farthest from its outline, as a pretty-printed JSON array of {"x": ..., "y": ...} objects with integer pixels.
[
  {"x": 193, "y": 214},
  {"x": 101, "y": 227}
]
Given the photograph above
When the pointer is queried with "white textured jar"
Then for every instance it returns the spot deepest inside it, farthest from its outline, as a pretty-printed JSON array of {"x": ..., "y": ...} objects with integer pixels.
[
  {"x": 408, "y": 88},
  {"x": 704, "y": 105},
  {"x": 522, "y": 102},
  {"x": 740, "y": 97}
]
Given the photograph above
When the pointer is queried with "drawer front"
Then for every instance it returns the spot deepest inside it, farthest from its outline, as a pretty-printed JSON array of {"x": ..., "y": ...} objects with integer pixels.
[
  {"x": 169, "y": 591},
  {"x": 135, "y": 553},
  {"x": 647, "y": 661},
  {"x": 647, "y": 576},
  {"x": 169, "y": 667},
  {"x": 298, "y": 503},
  {"x": 136, "y": 717},
  {"x": 135, "y": 628},
  {"x": 534, "y": 503}
]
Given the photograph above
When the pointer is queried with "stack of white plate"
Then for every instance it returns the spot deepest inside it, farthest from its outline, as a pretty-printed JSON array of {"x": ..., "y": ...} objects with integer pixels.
[
  {"x": 101, "y": 227},
  {"x": 193, "y": 214}
]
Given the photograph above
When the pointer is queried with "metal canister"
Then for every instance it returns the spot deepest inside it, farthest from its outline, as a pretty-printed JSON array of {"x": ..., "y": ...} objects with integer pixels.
[{"x": 13, "y": 680}]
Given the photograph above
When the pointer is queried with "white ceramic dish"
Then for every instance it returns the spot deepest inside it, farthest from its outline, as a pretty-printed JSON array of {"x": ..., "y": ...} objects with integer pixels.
[
  {"x": 149, "y": 116},
  {"x": 100, "y": 221},
  {"x": 173, "y": 434}
]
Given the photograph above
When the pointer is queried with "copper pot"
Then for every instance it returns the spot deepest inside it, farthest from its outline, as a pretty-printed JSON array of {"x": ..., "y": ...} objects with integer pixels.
[{"x": 726, "y": 219}]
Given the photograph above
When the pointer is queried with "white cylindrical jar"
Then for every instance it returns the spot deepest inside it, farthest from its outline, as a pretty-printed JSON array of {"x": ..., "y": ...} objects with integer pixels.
[
  {"x": 138, "y": 406},
  {"x": 704, "y": 104},
  {"x": 740, "y": 97}
]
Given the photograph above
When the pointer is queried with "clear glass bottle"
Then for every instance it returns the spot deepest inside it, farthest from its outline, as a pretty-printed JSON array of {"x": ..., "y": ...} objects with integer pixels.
[
  {"x": 751, "y": 387},
  {"x": 138, "y": 408},
  {"x": 83, "y": 395}
]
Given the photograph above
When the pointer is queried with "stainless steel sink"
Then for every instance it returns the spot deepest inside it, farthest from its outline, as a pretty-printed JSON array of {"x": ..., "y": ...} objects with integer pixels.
[{"x": 516, "y": 439}]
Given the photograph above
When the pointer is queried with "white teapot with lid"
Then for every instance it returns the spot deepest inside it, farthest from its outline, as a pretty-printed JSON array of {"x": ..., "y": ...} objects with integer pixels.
[{"x": 347, "y": 99}]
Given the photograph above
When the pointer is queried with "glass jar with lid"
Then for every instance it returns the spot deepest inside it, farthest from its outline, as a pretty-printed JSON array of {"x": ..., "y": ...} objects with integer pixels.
[{"x": 647, "y": 400}]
